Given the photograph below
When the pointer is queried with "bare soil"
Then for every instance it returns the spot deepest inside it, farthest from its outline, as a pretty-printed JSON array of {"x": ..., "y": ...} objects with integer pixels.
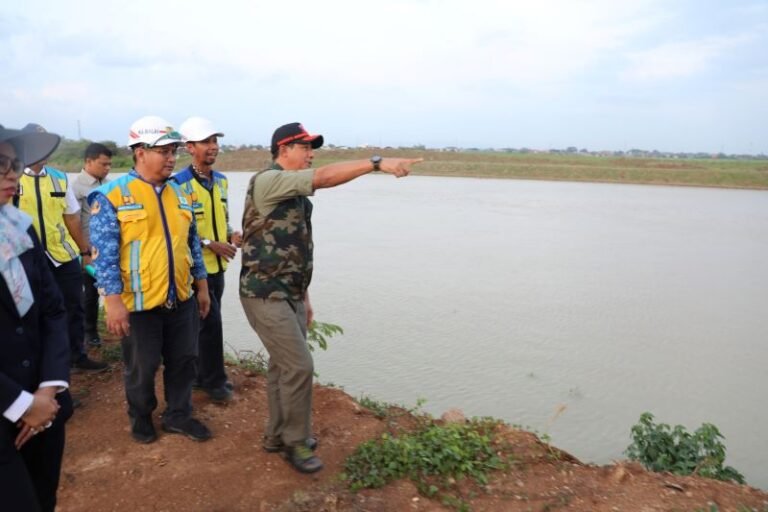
[{"x": 105, "y": 470}]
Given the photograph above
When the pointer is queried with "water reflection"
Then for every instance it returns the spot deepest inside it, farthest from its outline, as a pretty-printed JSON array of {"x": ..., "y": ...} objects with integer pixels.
[{"x": 514, "y": 298}]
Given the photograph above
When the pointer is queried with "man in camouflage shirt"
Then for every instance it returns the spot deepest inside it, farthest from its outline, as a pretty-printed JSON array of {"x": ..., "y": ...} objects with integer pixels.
[{"x": 276, "y": 272}]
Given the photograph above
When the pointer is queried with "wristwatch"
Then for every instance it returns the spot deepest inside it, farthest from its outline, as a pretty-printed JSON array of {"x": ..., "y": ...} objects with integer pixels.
[
  {"x": 205, "y": 242},
  {"x": 376, "y": 161}
]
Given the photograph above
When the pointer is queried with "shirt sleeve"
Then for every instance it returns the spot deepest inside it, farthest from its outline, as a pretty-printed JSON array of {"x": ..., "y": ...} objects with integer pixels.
[
  {"x": 73, "y": 206},
  {"x": 19, "y": 407},
  {"x": 198, "y": 266},
  {"x": 105, "y": 238},
  {"x": 274, "y": 186}
]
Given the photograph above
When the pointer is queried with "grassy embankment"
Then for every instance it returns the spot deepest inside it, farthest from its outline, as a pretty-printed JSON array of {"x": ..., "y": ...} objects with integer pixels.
[{"x": 706, "y": 173}]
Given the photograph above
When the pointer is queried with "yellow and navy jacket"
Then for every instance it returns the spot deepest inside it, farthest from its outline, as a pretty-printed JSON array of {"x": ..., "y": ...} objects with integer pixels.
[
  {"x": 44, "y": 198},
  {"x": 145, "y": 242},
  {"x": 209, "y": 201}
]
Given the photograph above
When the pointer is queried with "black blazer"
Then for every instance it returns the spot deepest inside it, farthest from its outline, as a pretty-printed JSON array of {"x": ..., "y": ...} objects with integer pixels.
[{"x": 33, "y": 348}]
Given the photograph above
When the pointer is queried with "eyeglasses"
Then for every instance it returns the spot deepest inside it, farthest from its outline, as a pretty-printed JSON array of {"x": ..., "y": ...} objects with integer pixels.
[
  {"x": 8, "y": 164},
  {"x": 171, "y": 150}
]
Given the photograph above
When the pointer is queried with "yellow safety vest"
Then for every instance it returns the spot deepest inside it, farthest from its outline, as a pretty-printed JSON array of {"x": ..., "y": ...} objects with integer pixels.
[
  {"x": 44, "y": 199},
  {"x": 153, "y": 241},
  {"x": 211, "y": 215}
]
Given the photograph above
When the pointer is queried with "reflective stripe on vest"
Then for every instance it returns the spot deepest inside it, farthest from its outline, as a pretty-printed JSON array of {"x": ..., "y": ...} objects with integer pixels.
[
  {"x": 210, "y": 208},
  {"x": 145, "y": 263},
  {"x": 44, "y": 199}
]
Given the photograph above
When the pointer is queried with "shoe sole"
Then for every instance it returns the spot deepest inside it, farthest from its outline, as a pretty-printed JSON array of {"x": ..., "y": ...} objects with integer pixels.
[
  {"x": 220, "y": 400},
  {"x": 174, "y": 430},
  {"x": 144, "y": 440},
  {"x": 281, "y": 447},
  {"x": 300, "y": 468}
]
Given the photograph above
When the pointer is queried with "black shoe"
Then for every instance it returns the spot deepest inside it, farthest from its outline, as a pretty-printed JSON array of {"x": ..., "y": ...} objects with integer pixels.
[
  {"x": 142, "y": 429},
  {"x": 85, "y": 363},
  {"x": 94, "y": 341},
  {"x": 190, "y": 427},
  {"x": 229, "y": 385},
  {"x": 276, "y": 445},
  {"x": 222, "y": 394},
  {"x": 303, "y": 459}
]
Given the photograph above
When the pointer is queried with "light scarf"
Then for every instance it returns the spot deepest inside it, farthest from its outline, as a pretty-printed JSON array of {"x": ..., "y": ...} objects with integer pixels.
[{"x": 14, "y": 240}]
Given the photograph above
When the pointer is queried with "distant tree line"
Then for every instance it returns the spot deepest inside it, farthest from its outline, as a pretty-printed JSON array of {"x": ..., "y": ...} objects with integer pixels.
[{"x": 69, "y": 155}]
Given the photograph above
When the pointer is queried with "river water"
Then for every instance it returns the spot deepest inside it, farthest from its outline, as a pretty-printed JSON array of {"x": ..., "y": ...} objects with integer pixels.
[{"x": 567, "y": 308}]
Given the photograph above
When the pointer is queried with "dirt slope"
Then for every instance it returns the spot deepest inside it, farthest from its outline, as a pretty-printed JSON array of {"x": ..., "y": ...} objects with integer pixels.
[{"x": 105, "y": 470}]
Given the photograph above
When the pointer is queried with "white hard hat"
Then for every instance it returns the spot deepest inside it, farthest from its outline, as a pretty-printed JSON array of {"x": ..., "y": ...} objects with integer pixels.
[
  {"x": 153, "y": 131},
  {"x": 196, "y": 129}
]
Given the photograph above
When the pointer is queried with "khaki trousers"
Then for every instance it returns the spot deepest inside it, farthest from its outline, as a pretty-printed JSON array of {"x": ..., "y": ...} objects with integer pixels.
[{"x": 282, "y": 328}]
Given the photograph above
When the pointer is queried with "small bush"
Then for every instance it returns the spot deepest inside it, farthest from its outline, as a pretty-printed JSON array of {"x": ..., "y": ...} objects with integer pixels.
[
  {"x": 319, "y": 332},
  {"x": 659, "y": 447},
  {"x": 434, "y": 458},
  {"x": 254, "y": 362}
]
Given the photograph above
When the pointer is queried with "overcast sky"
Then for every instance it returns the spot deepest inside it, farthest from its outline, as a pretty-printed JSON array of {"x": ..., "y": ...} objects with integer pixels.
[{"x": 603, "y": 74}]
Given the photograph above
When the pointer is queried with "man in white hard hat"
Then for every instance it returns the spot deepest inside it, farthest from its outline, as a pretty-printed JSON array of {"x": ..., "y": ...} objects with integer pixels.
[
  {"x": 147, "y": 255},
  {"x": 209, "y": 191}
]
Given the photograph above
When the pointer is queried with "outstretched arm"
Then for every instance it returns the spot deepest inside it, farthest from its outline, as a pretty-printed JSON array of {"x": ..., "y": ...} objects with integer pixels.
[{"x": 335, "y": 174}]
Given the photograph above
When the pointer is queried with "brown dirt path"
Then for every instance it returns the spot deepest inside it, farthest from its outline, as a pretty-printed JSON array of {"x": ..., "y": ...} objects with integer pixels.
[{"x": 105, "y": 470}]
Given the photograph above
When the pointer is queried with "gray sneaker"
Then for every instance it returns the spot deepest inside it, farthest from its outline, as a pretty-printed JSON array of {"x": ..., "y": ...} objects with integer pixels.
[
  {"x": 303, "y": 459},
  {"x": 190, "y": 427},
  {"x": 275, "y": 445}
]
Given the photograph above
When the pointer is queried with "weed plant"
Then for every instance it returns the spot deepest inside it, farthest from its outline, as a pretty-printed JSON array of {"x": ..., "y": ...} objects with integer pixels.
[
  {"x": 319, "y": 332},
  {"x": 386, "y": 410},
  {"x": 248, "y": 360},
  {"x": 659, "y": 447},
  {"x": 434, "y": 458}
]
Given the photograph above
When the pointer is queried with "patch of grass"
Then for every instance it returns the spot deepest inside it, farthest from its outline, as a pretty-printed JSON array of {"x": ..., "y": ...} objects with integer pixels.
[
  {"x": 254, "y": 362},
  {"x": 659, "y": 447},
  {"x": 385, "y": 410},
  {"x": 111, "y": 352},
  {"x": 434, "y": 457}
]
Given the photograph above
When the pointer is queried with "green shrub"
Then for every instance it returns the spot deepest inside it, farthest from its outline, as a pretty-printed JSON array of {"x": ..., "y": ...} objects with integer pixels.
[
  {"x": 659, "y": 447},
  {"x": 434, "y": 458},
  {"x": 319, "y": 332}
]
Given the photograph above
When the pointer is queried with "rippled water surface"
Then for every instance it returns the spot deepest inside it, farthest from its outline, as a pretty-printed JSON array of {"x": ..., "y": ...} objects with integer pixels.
[{"x": 515, "y": 299}]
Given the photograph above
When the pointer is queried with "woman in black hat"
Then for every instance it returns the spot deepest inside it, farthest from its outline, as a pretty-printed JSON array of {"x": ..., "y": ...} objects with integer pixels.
[{"x": 34, "y": 351}]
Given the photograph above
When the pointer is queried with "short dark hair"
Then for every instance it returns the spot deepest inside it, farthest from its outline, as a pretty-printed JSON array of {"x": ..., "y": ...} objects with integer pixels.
[{"x": 95, "y": 150}]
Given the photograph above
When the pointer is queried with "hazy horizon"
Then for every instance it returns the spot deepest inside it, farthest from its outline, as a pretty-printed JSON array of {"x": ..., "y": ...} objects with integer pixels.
[{"x": 681, "y": 76}]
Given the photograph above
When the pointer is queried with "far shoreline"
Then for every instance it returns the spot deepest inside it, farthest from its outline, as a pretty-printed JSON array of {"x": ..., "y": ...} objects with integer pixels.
[{"x": 678, "y": 172}]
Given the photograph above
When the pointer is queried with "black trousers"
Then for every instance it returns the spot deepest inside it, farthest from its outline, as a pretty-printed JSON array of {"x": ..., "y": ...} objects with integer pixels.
[
  {"x": 29, "y": 477},
  {"x": 168, "y": 336},
  {"x": 70, "y": 280},
  {"x": 90, "y": 307},
  {"x": 210, "y": 348}
]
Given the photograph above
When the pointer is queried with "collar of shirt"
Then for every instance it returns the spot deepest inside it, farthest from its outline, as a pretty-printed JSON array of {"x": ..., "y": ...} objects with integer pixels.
[
  {"x": 30, "y": 172},
  {"x": 158, "y": 188},
  {"x": 88, "y": 179},
  {"x": 201, "y": 178}
]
